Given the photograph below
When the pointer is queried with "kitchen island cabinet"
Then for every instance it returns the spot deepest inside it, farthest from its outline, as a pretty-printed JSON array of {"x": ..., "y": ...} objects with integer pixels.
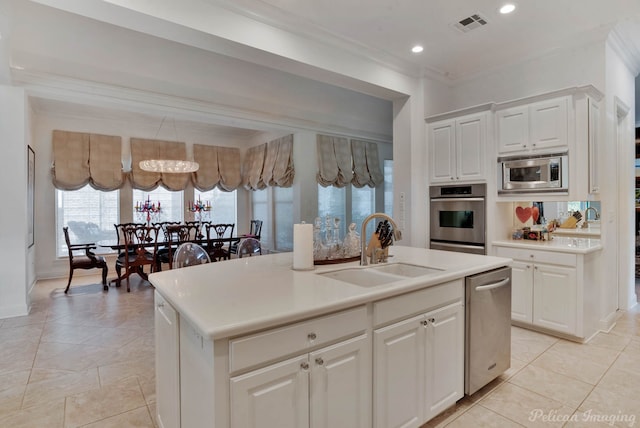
[
  {"x": 263, "y": 345},
  {"x": 555, "y": 285}
]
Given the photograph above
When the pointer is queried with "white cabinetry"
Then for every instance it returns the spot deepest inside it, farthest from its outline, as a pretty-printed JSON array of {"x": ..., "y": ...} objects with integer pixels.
[
  {"x": 458, "y": 148},
  {"x": 539, "y": 126},
  {"x": 419, "y": 361},
  {"x": 554, "y": 291},
  {"x": 326, "y": 387},
  {"x": 167, "y": 364}
]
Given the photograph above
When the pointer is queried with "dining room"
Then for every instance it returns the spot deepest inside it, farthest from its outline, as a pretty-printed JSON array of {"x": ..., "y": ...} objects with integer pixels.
[{"x": 91, "y": 213}]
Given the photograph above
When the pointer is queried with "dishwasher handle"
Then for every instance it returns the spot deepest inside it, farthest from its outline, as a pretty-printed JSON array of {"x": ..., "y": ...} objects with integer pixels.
[{"x": 493, "y": 285}]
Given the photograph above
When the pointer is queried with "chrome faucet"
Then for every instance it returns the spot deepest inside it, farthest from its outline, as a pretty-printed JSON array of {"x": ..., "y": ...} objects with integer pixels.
[
  {"x": 586, "y": 216},
  {"x": 397, "y": 235}
]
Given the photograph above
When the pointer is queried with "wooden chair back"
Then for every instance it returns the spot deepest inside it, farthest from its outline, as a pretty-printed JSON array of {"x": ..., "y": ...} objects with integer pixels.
[
  {"x": 219, "y": 250},
  {"x": 87, "y": 260},
  {"x": 141, "y": 248}
]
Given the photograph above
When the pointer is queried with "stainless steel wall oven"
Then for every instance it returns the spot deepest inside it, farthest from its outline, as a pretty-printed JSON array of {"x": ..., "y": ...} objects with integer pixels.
[{"x": 457, "y": 218}]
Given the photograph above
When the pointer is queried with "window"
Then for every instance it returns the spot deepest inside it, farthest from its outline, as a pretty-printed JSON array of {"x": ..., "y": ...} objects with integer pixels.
[
  {"x": 223, "y": 206},
  {"x": 274, "y": 206},
  {"x": 388, "y": 187},
  {"x": 283, "y": 216},
  {"x": 171, "y": 205},
  {"x": 90, "y": 215},
  {"x": 349, "y": 204}
]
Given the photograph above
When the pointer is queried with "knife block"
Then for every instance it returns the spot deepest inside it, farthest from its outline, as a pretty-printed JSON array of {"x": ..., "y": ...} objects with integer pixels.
[{"x": 373, "y": 244}]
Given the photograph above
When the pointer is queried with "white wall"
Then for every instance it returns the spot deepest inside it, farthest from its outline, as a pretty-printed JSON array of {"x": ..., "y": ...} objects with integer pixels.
[
  {"x": 15, "y": 272},
  {"x": 562, "y": 69},
  {"x": 618, "y": 201}
]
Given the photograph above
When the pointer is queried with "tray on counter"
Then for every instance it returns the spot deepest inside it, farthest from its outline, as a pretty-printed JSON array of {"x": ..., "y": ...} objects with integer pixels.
[{"x": 336, "y": 261}]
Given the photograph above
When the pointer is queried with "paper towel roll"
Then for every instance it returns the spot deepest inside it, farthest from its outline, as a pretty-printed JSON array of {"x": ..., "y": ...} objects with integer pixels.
[{"x": 302, "y": 246}]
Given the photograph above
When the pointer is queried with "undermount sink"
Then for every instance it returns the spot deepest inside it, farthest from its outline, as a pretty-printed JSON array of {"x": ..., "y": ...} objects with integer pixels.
[
  {"x": 379, "y": 274},
  {"x": 405, "y": 269}
]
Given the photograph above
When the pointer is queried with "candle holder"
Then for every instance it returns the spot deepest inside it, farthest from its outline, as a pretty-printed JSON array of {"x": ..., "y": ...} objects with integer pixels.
[
  {"x": 147, "y": 209},
  {"x": 201, "y": 212}
]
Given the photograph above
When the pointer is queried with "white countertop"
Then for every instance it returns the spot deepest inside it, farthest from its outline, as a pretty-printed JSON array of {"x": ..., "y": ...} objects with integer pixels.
[
  {"x": 238, "y": 296},
  {"x": 565, "y": 244}
]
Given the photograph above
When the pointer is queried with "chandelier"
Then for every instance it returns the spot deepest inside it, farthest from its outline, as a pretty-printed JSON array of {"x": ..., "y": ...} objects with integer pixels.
[{"x": 171, "y": 166}]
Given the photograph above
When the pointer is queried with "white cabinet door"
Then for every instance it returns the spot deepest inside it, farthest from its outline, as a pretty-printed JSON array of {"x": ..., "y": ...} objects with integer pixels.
[
  {"x": 513, "y": 129},
  {"x": 549, "y": 124},
  {"x": 444, "y": 359},
  {"x": 274, "y": 396},
  {"x": 555, "y": 298},
  {"x": 471, "y": 147},
  {"x": 522, "y": 291},
  {"x": 398, "y": 376},
  {"x": 341, "y": 385},
  {"x": 442, "y": 140},
  {"x": 167, "y": 364}
]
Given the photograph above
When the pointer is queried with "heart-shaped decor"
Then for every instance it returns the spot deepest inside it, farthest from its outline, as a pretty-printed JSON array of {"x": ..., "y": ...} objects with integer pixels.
[
  {"x": 535, "y": 214},
  {"x": 523, "y": 214}
]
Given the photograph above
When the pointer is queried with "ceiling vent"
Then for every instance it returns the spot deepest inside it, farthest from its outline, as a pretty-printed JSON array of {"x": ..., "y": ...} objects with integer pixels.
[{"x": 471, "y": 23}]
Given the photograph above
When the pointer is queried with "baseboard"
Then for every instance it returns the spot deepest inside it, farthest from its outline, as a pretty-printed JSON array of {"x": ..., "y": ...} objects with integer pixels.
[{"x": 608, "y": 322}]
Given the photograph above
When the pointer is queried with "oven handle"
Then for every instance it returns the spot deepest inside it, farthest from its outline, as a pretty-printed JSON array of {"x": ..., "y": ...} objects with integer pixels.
[
  {"x": 494, "y": 285},
  {"x": 457, "y": 199}
]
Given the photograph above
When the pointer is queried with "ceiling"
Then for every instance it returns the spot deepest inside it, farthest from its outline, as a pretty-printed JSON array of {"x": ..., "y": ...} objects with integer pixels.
[
  {"x": 383, "y": 31},
  {"x": 387, "y": 29}
]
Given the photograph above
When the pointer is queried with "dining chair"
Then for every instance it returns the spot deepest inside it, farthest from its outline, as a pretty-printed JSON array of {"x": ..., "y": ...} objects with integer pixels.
[
  {"x": 140, "y": 249},
  {"x": 190, "y": 254},
  {"x": 120, "y": 241},
  {"x": 255, "y": 229},
  {"x": 86, "y": 261},
  {"x": 217, "y": 250},
  {"x": 249, "y": 247},
  {"x": 175, "y": 234},
  {"x": 199, "y": 226}
]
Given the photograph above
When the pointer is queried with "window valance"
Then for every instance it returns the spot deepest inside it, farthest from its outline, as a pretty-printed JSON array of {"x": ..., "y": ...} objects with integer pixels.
[
  {"x": 269, "y": 164},
  {"x": 334, "y": 161},
  {"x": 219, "y": 167},
  {"x": 366, "y": 164},
  {"x": 252, "y": 168},
  {"x": 278, "y": 163},
  {"x": 142, "y": 149},
  {"x": 83, "y": 158}
]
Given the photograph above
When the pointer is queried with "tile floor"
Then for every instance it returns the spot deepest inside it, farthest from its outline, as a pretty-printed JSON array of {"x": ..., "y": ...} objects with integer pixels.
[{"x": 87, "y": 360}]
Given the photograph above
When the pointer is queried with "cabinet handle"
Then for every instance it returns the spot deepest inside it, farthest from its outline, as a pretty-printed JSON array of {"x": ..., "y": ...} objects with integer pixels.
[
  {"x": 432, "y": 320},
  {"x": 531, "y": 255},
  {"x": 311, "y": 336},
  {"x": 528, "y": 266},
  {"x": 424, "y": 323},
  {"x": 304, "y": 366},
  {"x": 319, "y": 361},
  {"x": 535, "y": 267},
  {"x": 161, "y": 305}
]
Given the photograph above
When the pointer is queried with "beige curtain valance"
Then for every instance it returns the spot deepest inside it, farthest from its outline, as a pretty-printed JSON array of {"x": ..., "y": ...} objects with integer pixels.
[
  {"x": 83, "y": 158},
  {"x": 278, "y": 167},
  {"x": 252, "y": 168},
  {"x": 219, "y": 167},
  {"x": 334, "y": 161},
  {"x": 142, "y": 149},
  {"x": 366, "y": 164}
]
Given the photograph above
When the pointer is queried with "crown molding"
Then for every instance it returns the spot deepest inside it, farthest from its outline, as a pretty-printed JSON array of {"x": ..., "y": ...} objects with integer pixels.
[
  {"x": 97, "y": 94},
  {"x": 627, "y": 48}
]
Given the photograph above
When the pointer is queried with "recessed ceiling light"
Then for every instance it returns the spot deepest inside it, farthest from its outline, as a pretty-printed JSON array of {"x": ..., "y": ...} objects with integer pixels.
[
  {"x": 417, "y": 49},
  {"x": 507, "y": 8}
]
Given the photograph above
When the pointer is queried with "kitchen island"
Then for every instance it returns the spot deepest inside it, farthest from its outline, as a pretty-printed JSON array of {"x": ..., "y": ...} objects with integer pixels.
[{"x": 251, "y": 342}]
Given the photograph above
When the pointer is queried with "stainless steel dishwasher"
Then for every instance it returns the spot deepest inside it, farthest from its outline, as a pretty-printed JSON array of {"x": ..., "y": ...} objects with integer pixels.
[{"x": 488, "y": 327}]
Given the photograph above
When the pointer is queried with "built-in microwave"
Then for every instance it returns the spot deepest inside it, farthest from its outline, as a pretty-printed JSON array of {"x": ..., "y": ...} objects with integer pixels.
[{"x": 534, "y": 174}]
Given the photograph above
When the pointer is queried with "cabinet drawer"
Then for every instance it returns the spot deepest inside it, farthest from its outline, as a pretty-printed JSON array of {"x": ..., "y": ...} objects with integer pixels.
[
  {"x": 395, "y": 308},
  {"x": 269, "y": 345},
  {"x": 550, "y": 257}
]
